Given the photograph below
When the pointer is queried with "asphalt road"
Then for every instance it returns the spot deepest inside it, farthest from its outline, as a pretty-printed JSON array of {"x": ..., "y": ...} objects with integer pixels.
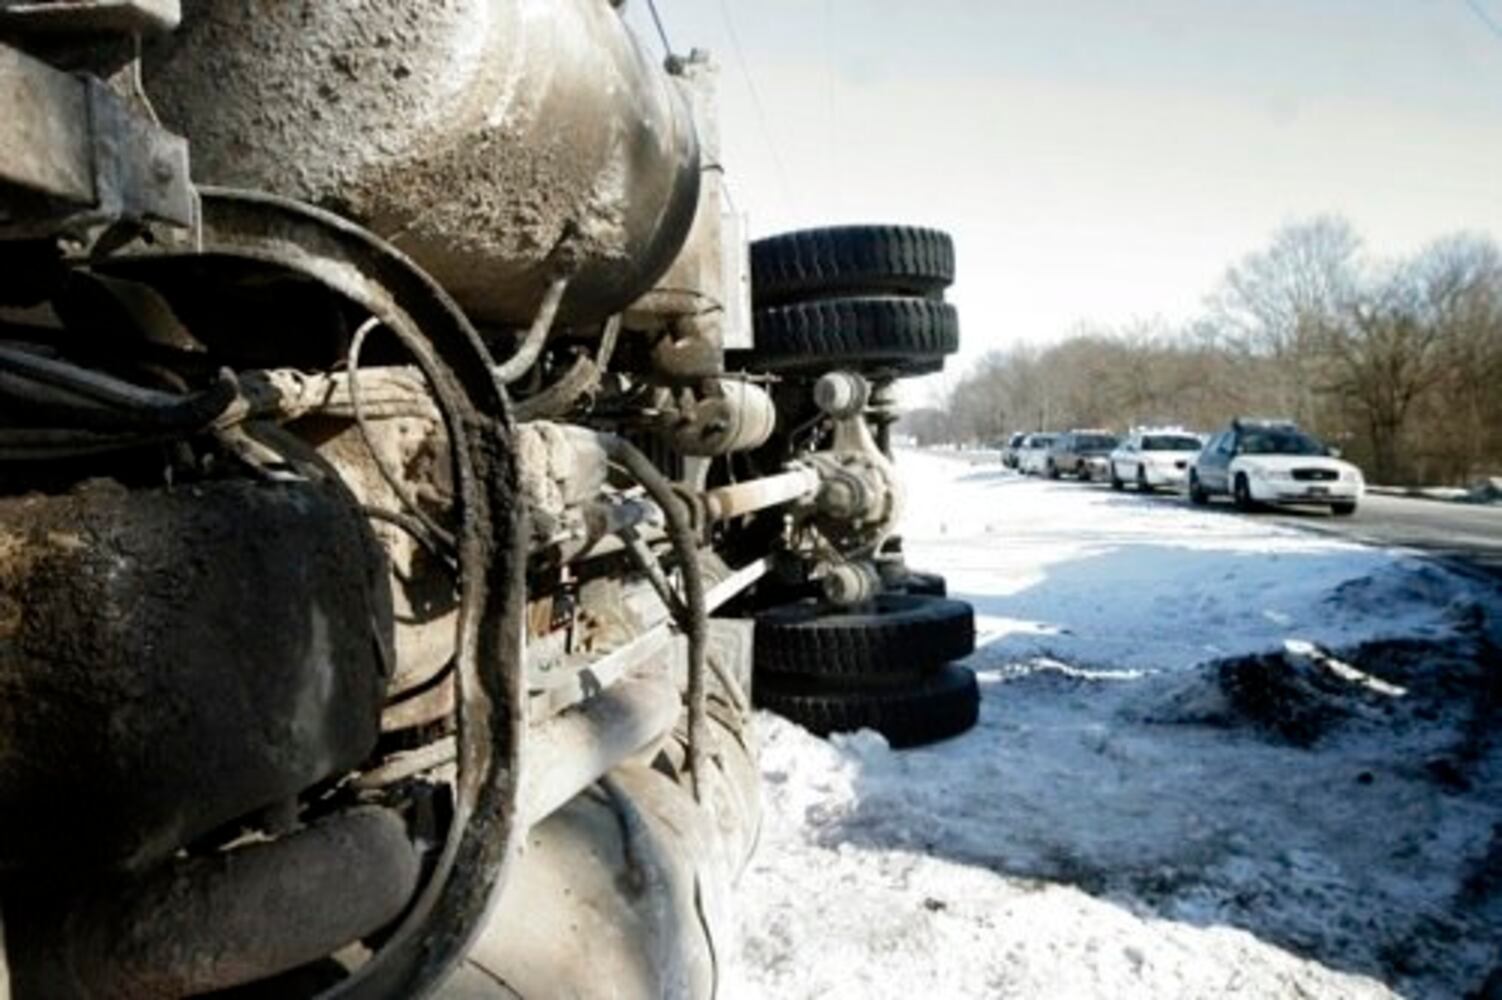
[{"x": 1464, "y": 535}]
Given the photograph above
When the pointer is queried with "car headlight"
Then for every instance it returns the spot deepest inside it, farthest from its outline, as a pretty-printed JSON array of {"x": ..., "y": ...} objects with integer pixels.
[{"x": 1350, "y": 475}]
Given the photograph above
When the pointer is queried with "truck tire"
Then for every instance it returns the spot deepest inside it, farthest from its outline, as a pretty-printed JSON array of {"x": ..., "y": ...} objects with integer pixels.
[
  {"x": 924, "y": 584},
  {"x": 850, "y": 260},
  {"x": 943, "y": 704},
  {"x": 906, "y": 336},
  {"x": 903, "y": 635}
]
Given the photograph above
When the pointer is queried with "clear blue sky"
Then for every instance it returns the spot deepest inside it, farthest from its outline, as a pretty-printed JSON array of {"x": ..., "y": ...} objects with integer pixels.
[{"x": 1100, "y": 160}]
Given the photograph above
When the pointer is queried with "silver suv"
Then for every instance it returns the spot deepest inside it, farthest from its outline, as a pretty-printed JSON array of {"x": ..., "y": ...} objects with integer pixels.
[{"x": 1081, "y": 453}]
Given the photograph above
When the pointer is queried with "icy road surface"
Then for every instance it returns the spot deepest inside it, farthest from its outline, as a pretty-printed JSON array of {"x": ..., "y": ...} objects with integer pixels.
[{"x": 1114, "y": 827}]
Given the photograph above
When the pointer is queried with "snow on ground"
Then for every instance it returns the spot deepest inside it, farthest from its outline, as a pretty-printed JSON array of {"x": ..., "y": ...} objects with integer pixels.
[{"x": 1116, "y": 825}]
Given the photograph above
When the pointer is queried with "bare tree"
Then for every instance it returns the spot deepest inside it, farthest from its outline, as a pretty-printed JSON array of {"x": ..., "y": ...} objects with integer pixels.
[
  {"x": 1462, "y": 283},
  {"x": 1401, "y": 362},
  {"x": 1281, "y": 304}
]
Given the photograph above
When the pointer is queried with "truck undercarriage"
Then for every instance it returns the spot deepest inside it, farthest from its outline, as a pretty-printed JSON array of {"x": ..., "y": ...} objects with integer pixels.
[{"x": 390, "y": 505}]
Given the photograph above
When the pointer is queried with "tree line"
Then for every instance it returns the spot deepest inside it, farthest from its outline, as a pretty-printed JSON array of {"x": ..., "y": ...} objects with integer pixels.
[{"x": 1398, "y": 362}]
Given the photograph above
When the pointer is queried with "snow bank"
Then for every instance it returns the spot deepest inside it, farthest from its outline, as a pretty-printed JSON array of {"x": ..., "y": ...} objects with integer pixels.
[{"x": 1111, "y": 828}]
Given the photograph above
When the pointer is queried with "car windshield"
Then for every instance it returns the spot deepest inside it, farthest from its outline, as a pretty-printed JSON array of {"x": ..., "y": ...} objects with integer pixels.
[
  {"x": 1094, "y": 442},
  {"x": 1280, "y": 442},
  {"x": 1170, "y": 442},
  {"x": 1016, "y": 440}
]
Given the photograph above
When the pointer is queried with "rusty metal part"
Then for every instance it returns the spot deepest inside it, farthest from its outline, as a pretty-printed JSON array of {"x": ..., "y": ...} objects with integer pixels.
[
  {"x": 695, "y": 618},
  {"x": 575, "y": 386},
  {"x": 405, "y": 764},
  {"x": 134, "y": 635},
  {"x": 620, "y": 874},
  {"x": 841, "y": 394},
  {"x": 850, "y": 583},
  {"x": 349, "y": 260},
  {"x": 562, "y": 466},
  {"x": 728, "y": 416},
  {"x": 598, "y": 527},
  {"x": 209, "y": 923},
  {"x": 78, "y": 154},
  {"x": 574, "y": 748},
  {"x": 702, "y": 305},
  {"x": 593, "y": 538},
  {"x": 287, "y": 394},
  {"x": 45, "y": 144},
  {"x": 424, "y": 597},
  {"x": 650, "y": 645},
  {"x": 860, "y": 496},
  {"x": 883, "y": 412},
  {"x": 90, "y": 16},
  {"x": 641, "y": 869},
  {"x": 492, "y": 140}
]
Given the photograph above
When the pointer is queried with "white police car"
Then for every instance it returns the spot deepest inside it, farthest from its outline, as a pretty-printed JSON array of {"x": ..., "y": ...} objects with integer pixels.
[{"x": 1273, "y": 462}]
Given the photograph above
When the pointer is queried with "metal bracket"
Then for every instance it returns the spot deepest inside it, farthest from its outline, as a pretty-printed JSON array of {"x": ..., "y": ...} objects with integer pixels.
[
  {"x": 77, "y": 155},
  {"x": 131, "y": 16}
]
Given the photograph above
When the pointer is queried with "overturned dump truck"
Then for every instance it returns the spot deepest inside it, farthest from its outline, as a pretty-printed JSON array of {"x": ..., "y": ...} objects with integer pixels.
[{"x": 400, "y": 473}]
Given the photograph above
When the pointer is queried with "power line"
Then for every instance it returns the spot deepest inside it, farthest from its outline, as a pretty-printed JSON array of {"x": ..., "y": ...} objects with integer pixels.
[
  {"x": 1486, "y": 18},
  {"x": 761, "y": 114},
  {"x": 661, "y": 31}
]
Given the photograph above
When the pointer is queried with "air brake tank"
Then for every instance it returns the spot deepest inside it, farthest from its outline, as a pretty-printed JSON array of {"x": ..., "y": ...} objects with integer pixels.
[{"x": 494, "y": 141}]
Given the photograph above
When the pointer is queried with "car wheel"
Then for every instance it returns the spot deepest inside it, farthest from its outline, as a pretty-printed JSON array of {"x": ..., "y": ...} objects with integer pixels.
[
  {"x": 1143, "y": 486},
  {"x": 1242, "y": 493},
  {"x": 1197, "y": 494},
  {"x": 1116, "y": 483},
  {"x": 1343, "y": 509},
  {"x": 1053, "y": 471}
]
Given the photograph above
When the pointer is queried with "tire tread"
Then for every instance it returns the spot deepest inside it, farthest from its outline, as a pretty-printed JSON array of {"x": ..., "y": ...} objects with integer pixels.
[
  {"x": 909, "y": 636},
  {"x": 942, "y": 705},
  {"x": 815, "y": 263}
]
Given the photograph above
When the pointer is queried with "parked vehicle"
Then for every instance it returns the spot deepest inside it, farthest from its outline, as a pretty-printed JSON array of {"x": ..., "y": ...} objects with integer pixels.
[
  {"x": 1154, "y": 457},
  {"x": 1273, "y": 462},
  {"x": 1010, "y": 452},
  {"x": 1032, "y": 457},
  {"x": 1079, "y": 453}
]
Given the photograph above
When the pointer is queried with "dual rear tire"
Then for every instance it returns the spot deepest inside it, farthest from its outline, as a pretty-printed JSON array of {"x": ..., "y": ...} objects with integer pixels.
[
  {"x": 885, "y": 667},
  {"x": 867, "y": 299},
  {"x": 863, "y": 298}
]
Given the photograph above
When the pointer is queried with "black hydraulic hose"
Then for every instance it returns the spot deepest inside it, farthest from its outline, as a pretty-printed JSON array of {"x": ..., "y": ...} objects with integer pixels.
[
  {"x": 695, "y": 623},
  {"x": 581, "y": 378},
  {"x": 46, "y": 389}
]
